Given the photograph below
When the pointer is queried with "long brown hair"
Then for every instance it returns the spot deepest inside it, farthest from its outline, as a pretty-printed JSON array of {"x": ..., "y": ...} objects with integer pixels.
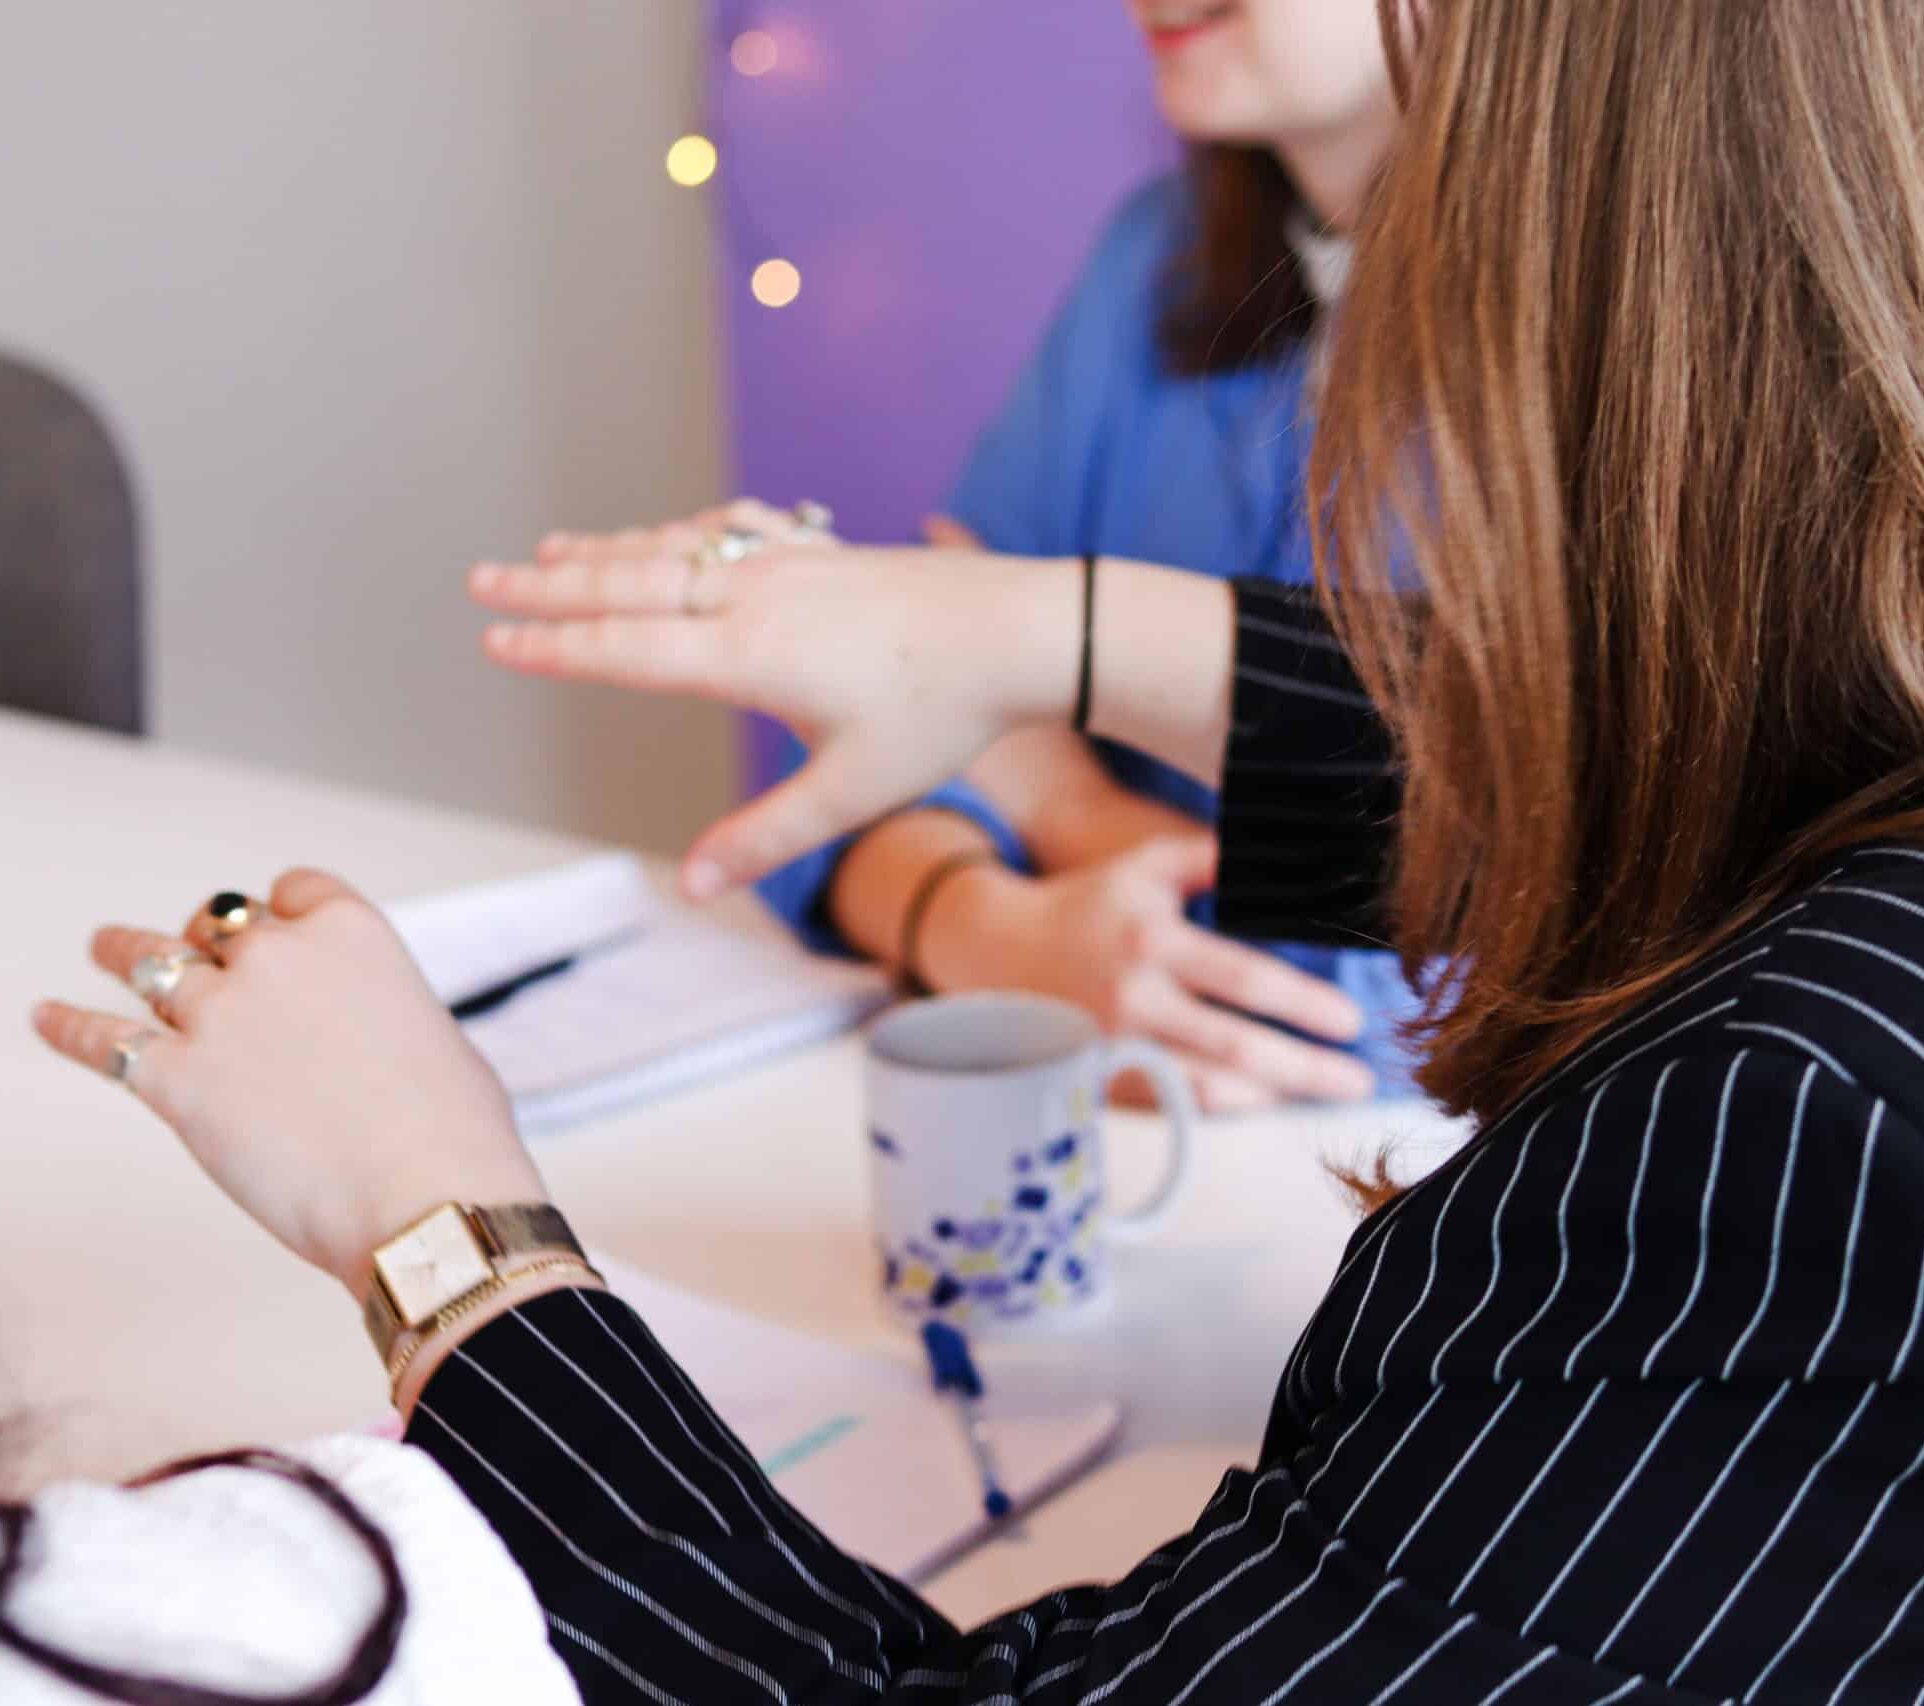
[
  {"x": 1631, "y": 379},
  {"x": 1236, "y": 295}
]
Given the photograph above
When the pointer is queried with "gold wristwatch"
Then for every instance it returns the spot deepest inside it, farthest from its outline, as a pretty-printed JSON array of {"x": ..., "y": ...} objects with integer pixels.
[{"x": 454, "y": 1258}]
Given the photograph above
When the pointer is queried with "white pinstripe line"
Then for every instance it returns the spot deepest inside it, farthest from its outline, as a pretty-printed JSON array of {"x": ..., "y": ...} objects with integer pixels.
[
  {"x": 1850, "y": 1001},
  {"x": 1629, "y": 1227},
  {"x": 1704, "y": 982},
  {"x": 1876, "y": 1646},
  {"x": 1704, "y": 1017},
  {"x": 926, "y": 1678},
  {"x": 1537, "y": 1663},
  {"x": 1365, "y": 1242},
  {"x": 1048, "y": 1676},
  {"x": 1388, "y": 1459},
  {"x": 628, "y": 1674},
  {"x": 1309, "y": 1486},
  {"x": 1776, "y": 1534},
  {"x": 763, "y": 1514},
  {"x": 1304, "y": 689},
  {"x": 1857, "y": 854},
  {"x": 1106, "y": 1689},
  {"x": 1909, "y": 906},
  {"x": 1617, "y": 1694},
  {"x": 1133, "y": 1611},
  {"x": 1837, "y": 1576},
  {"x": 1529, "y": 1492},
  {"x": 1252, "y": 1630},
  {"x": 1846, "y": 940},
  {"x": 1777, "y": 1223},
  {"x": 614, "y": 1579},
  {"x": 1306, "y": 637},
  {"x": 629, "y": 1421},
  {"x": 1331, "y": 1647},
  {"x": 1496, "y": 1250},
  {"x": 1443, "y": 1640},
  {"x": 1356, "y": 1320},
  {"x": 1429, "y": 1283},
  {"x": 1850, "y": 1243},
  {"x": 1563, "y": 1237},
  {"x": 1616, "y": 1498},
  {"x": 1703, "y": 1215},
  {"x": 1449, "y": 1480},
  {"x": 665, "y": 1537},
  {"x": 1696, "y": 1516},
  {"x": 1797, "y": 1040}
]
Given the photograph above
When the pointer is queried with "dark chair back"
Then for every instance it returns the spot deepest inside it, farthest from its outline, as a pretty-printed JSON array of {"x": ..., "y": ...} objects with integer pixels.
[{"x": 70, "y": 593}]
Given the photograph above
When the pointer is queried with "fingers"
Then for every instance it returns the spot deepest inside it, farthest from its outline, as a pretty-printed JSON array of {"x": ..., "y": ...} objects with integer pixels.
[
  {"x": 299, "y": 892},
  {"x": 676, "y": 538},
  {"x": 1248, "y": 1049},
  {"x": 821, "y": 802},
  {"x": 1216, "y": 1091},
  {"x": 646, "y": 584},
  {"x": 1258, "y": 982},
  {"x": 89, "y": 1037},
  {"x": 1188, "y": 862},
  {"x": 945, "y": 533},
  {"x": 660, "y": 654},
  {"x": 117, "y": 950}
]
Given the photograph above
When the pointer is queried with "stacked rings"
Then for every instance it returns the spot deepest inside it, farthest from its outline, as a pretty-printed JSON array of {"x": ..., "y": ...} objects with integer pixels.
[
  {"x": 156, "y": 978},
  {"x": 706, "y": 590}
]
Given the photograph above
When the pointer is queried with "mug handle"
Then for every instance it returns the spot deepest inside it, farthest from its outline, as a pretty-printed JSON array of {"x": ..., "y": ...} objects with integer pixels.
[{"x": 1179, "y": 1108}]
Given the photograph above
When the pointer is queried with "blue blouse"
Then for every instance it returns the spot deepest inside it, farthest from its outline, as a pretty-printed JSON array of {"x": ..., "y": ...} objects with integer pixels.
[{"x": 1101, "y": 448}]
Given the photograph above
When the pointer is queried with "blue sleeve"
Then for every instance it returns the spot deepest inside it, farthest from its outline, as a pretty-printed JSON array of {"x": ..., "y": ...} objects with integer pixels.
[
  {"x": 1034, "y": 477},
  {"x": 799, "y": 892}
]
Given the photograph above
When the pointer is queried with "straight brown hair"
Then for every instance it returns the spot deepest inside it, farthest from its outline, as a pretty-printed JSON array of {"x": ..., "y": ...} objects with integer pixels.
[
  {"x": 1630, "y": 380},
  {"x": 1235, "y": 295}
]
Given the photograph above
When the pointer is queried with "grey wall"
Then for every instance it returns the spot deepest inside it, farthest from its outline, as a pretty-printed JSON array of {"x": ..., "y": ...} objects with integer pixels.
[{"x": 371, "y": 289}]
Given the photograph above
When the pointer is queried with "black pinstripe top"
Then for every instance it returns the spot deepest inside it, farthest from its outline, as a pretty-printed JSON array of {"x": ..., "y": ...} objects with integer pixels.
[{"x": 1623, "y": 1404}]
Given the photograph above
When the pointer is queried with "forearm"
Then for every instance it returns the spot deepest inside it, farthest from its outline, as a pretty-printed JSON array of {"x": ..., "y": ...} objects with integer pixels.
[
  {"x": 878, "y": 879},
  {"x": 1066, "y": 806}
]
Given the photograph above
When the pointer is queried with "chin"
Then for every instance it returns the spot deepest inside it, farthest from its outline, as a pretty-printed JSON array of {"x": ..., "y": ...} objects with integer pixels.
[{"x": 1203, "y": 109}]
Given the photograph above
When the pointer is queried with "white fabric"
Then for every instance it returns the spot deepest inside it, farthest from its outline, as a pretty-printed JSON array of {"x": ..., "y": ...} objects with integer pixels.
[
  {"x": 1326, "y": 261},
  {"x": 238, "y": 1580}
]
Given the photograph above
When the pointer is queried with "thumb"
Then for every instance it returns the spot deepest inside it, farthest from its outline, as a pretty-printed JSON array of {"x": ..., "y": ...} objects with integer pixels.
[
  {"x": 299, "y": 892},
  {"x": 821, "y": 802},
  {"x": 945, "y": 533},
  {"x": 1187, "y": 862}
]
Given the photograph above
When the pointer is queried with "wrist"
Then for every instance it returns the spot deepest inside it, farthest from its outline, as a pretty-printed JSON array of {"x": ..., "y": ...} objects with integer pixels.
[
  {"x": 974, "y": 930},
  {"x": 1040, "y": 611},
  {"x": 518, "y": 1290}
]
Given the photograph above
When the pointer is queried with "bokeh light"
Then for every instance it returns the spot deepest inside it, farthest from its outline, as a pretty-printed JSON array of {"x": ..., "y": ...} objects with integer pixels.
[
  {"x": 692, "y": 161},
  {"x": 754, "y": 53},
  {"x": 776, "y": 283}
]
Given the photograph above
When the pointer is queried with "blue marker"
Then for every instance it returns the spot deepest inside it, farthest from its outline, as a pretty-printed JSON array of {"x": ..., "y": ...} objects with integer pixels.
[{"x": 955, "y": 1372}]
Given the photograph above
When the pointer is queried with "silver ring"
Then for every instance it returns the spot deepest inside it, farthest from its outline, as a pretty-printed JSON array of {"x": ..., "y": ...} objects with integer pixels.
[
  {"x": 157, "y": 977},
  {"x": 705, "y": 592},
  {"x": 125, "y": 1057},
  {"x": 813, "y": 520}
]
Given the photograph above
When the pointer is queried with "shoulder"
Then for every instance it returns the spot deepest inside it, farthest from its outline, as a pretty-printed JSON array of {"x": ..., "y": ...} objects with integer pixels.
[
  {"x": 241, "y": 1580},
  {"x": 1121, "y": 280}
]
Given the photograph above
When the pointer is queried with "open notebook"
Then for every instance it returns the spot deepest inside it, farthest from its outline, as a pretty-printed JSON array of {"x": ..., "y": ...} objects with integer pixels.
[
  {"x": 861, "y": 1444},
  {"x": 657, "y": 996}
]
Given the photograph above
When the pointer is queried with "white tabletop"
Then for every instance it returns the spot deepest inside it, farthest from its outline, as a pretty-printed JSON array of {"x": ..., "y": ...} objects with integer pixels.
[{"x": 141, "y": 1316}]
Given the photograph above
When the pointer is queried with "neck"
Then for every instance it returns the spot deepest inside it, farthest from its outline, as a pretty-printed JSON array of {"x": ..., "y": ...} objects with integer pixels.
[{"x": 1336, "y": 169}]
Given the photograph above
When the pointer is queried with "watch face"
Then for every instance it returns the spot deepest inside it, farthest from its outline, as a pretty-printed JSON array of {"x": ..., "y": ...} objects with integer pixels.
[{"x": 437, "y": 1261}]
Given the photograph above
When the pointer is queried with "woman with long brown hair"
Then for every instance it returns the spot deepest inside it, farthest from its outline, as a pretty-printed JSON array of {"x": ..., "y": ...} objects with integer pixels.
[{"x": 1624, "y": 539}]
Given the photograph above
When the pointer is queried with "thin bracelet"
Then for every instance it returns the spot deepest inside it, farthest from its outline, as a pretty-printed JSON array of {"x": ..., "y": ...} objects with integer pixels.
[
  {"x": 1086, "y": 671},
  {"x": 409, "y": 1349},
  {"x": 909, "y": 959}
]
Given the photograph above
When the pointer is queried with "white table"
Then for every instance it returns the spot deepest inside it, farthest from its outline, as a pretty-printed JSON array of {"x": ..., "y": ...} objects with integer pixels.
[{"x": 142, "y": 1316}]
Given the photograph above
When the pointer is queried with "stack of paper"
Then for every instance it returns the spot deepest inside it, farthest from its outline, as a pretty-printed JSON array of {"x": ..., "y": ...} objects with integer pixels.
[{"x": 657, "y": 996}]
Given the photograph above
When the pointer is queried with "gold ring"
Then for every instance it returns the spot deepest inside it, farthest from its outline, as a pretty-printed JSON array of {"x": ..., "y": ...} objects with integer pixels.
[{"x": 230, "y": 913}]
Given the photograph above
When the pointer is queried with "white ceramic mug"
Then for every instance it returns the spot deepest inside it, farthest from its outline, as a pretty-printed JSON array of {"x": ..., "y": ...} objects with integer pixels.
[{"x": 986, "y": 1155}]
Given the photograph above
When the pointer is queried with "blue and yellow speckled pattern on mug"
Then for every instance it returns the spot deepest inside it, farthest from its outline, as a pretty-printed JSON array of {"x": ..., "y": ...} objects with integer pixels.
[{"x": 986, "y": 1156}]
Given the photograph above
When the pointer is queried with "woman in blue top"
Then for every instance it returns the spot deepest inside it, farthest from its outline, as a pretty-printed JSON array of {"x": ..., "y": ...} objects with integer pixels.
[{"x": 1165, "y": 418}]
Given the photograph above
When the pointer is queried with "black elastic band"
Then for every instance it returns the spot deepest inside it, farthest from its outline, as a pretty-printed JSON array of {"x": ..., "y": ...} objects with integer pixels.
[
  {"x": 1086, "y": 673},
  {"x": 909, "y": 961}
]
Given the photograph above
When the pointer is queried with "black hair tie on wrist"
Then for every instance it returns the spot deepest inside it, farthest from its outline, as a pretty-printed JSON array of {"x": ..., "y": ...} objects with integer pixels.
[{"x": 1086, "y": 672}]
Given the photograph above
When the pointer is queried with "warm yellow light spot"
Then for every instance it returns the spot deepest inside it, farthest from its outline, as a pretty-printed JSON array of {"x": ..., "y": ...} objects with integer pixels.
[
  {"x": 754, "y": 53},
  {"x": 776, "y": 284},
  {"x": 692, "y": 161}
]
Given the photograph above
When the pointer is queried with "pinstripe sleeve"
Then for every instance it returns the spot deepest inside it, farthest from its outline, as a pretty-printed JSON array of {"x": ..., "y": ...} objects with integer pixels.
[
  {"x": 1310, "y": 787},
  {"x": 670, "y": 1571}
]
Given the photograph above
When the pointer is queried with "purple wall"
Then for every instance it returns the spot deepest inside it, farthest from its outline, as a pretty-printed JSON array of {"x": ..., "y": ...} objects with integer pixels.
[{"x": 936, "y": 169}]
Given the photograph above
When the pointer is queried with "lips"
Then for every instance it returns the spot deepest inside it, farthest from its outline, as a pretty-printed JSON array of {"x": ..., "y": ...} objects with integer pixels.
[{"x": 1175, "y": 19}]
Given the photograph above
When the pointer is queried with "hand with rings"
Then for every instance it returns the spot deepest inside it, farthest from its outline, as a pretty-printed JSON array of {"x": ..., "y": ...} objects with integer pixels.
[{"x": 306, "y": 1065}]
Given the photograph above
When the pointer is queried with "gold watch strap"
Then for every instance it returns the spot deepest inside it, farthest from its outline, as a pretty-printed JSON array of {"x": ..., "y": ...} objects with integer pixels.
[
  {"x": 513, "y": 1236},
  {"x": 408, "y": 1345}
]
